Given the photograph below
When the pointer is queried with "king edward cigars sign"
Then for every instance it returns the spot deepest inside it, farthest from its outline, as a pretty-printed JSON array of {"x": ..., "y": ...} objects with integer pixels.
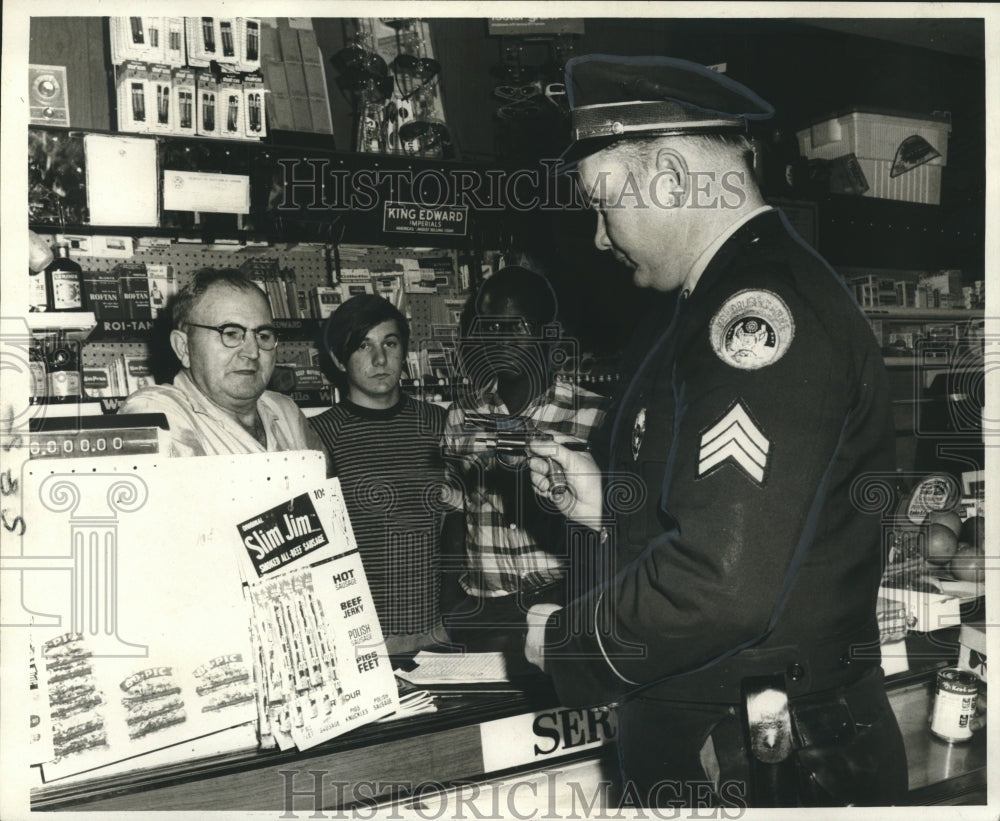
[{"x": 412, "y": 218}]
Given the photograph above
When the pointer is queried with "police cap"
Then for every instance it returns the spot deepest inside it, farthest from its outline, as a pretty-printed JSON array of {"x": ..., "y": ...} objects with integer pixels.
[{"x": 613, "y": 98}]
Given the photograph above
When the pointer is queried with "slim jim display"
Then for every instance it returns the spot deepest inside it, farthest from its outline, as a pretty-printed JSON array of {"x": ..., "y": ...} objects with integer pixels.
[{"x": 954, "y": 705}]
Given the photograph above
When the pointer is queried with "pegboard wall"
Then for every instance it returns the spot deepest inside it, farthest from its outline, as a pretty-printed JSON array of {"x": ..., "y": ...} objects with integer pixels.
[
  {"x": 432, "y": 316},
  {"x": 312, "y": 263}
]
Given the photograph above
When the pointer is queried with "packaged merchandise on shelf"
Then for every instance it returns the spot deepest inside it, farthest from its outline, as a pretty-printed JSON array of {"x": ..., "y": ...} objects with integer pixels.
[
  {"x": 349, "y": 289},
  {"x": 174, "y": 52},
  {"x": 150, "y": 39},
  {"x": 253, "y": 106},
  {"x": 136, "y": 38},
  {"x": 250, "y": 41},
  {"x": 103, "y": 295},
  {"x": 182, "y": 86},
  {"x": 442, "y": 270},
  {"x": 390, "y": 287},
  {"x": 160, "y": 89},
  {"x": 159, "y": 94},
  {"x": 133, "y": 93},
  {"x": 872, "y": 291},
  {"x": 107, "y": 378},
  {"x": 162, "y": 286},
  {"x": 228, "y": 38},
  {"x": 276, "y": 295},
  {"x": 278, "y": 285},
  {"x": 232, "y": 108},
  {"x": 99, "y": 381},
  {"x": 302, "y": 300},
  {"x": 38, "y": 293},
  {"x": 229, "y": 41},
  {"x": 355, "y": 275},
  {"x": 133, "y": 289},
  {"x": 202, "y": 38},
  {"x": 292, "y": 295},
  {"x": 419, "y": 281},
  {"x": 906, "y": 294},
  {"x": 138, "y": 372},
  {"x": 325, "y": 300},
  {"x": 207, "y": 105},
  {"x": 942, "y": 289}
]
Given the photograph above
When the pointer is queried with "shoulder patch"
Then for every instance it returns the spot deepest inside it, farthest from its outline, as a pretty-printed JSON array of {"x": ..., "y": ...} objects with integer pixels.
[{"x": 752, "y": 329}]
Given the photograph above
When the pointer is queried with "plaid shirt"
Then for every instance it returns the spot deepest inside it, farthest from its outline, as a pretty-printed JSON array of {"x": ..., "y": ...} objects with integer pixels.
[{"x": 512, "y": 543}]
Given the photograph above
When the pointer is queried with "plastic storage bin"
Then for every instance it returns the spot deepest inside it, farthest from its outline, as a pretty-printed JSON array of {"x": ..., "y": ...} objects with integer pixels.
[{"x": 876, "y": 138}]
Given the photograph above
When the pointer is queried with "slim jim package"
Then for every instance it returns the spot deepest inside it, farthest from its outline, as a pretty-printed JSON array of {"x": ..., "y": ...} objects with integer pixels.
[{"x": 319, "y": 651}]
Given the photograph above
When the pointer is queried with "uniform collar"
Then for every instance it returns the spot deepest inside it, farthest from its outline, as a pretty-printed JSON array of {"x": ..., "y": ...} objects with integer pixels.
[{"x": 694, "y": 275}]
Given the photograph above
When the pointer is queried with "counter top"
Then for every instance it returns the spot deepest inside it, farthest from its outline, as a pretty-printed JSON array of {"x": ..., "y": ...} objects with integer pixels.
[{"x": 474, "y": 735}]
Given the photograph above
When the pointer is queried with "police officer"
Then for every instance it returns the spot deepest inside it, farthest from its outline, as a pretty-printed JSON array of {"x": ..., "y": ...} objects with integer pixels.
[{"x": 738, "y": 631}]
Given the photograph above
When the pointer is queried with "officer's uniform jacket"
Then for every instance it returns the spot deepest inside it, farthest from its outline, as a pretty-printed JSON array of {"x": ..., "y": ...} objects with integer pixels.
[{"x": 746, "y": 527}]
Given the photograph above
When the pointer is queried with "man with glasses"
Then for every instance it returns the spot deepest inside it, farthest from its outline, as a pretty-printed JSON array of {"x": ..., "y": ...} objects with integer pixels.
[
  {"x": 219, "y": 402},
  {"x": 514, "y": 548}
]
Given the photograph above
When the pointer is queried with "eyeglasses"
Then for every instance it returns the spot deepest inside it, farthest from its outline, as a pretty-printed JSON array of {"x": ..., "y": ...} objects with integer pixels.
[{"x": 233, "y": 335}]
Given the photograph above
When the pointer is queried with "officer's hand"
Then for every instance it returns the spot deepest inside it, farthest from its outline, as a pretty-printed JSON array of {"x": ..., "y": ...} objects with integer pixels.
[{"x": 569, "y": 478}]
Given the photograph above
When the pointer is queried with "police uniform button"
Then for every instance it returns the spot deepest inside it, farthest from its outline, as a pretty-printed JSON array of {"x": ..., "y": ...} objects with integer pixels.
[
  {"x": 796, "y": 672},
  {"x": 617, "y": 128}
]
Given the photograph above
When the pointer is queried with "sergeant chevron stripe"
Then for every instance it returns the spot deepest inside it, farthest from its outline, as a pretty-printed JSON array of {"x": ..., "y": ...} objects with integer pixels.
[{"x": 735, "y": 436}]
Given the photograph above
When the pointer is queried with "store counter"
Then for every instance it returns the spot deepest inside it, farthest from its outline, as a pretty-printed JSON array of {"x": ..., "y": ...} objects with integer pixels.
[
  {"x": 476, "y": 736},
  {"x": 472, "y": 735}
]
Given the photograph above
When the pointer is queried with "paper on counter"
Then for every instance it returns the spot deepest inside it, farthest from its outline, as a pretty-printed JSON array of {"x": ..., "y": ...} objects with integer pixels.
[{"x": 453, "y": 668}]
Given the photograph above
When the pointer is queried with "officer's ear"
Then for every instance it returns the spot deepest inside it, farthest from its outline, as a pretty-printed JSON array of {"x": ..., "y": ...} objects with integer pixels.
[
  {"x": 179, "y": 342},
  {"x": 672, "y": 178}
]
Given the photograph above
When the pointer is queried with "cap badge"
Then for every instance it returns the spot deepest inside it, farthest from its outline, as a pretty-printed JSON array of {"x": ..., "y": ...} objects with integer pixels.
[{"x": 752, "y": 329}]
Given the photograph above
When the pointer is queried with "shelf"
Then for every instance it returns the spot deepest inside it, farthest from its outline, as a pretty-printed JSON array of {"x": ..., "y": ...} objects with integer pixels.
[
  {"x": 929, "y": 314},
  {"x": 61, "y": 320}
]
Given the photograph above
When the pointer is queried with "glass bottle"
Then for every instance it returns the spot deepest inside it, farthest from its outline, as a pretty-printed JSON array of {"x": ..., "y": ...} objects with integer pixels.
[
  {"x": 63, "y": 360},
  {"x": 64, "y": 278}
]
